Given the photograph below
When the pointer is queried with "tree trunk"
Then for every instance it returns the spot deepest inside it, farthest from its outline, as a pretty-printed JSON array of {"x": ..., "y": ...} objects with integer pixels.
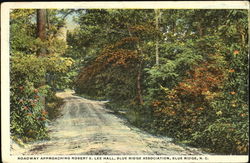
[
  {"x": 157, "y": 15},
  {"x": 41, "y": 29},
  {"x": 41, "y": 33},
  {"x": 138, "y": 83},
  {"x": 138, "y": 78}
]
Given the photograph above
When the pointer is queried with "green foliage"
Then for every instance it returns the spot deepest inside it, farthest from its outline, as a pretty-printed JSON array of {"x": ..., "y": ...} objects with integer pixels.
[
  {"x": 207, "y": 106},
  {"x": 28, "y": 114},
  {"x": 231, "y": 109},
  {"x": 33, "y": 79},
  {"x": 28, "y": 117},
  {"x": 21, "y": 39}
]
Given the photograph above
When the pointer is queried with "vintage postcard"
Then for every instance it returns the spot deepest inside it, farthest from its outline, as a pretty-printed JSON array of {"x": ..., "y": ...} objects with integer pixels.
[{"x": 153, "y": 81}]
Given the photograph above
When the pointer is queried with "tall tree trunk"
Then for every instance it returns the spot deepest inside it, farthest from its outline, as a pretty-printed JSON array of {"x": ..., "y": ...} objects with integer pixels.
[
  {"x": 41, "y": 33},
  {"x": 41, "y": 29},
  {"x": 138, "y": 83},
  {"x": 138, "y": 77},
  {"x": 157, "y": 16}
]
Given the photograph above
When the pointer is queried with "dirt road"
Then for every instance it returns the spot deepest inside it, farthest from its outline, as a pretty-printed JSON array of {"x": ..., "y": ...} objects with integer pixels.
[{"x": 87, "y": 128}]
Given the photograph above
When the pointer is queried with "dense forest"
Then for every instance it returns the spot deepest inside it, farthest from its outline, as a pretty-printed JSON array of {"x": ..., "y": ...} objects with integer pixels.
[{"x": 177, "y": 73}]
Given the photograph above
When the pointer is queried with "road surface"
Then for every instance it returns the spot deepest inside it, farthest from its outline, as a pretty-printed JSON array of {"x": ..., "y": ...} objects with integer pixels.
[{"x": 86, "y": 127}]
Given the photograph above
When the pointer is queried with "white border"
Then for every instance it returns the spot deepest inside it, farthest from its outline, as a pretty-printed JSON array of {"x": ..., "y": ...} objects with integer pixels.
[
  {"x": 5, "y": 95},
  {"x": 133, "y": 4}
]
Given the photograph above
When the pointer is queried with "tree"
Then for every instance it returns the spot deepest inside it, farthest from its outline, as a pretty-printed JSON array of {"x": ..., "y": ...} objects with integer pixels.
[
  {"x": 157, "y": 17},
  {"x": 96, "y": 30},
  {"x": 41, "y": 29},
  {"x": 29, "y": 65}
]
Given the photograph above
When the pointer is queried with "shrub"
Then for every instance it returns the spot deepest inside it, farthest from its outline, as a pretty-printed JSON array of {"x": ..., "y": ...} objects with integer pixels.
[{"x": 29, "y": 94}]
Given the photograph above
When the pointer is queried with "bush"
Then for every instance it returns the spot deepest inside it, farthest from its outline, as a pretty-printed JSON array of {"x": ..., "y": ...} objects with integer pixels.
[
  {"x": 30, "y": 93},
  {"x": 28, "y": 115},
  {"x": 209, "y": 108}
]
